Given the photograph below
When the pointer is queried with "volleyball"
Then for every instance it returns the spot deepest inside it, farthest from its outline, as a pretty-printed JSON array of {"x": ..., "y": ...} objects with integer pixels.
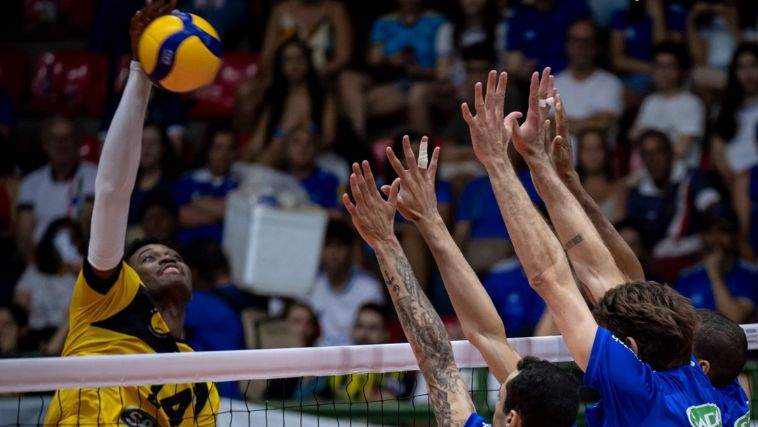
[{"x": 180, "y": 52}]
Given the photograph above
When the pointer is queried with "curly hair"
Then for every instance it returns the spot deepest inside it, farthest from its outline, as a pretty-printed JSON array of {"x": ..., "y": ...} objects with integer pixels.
[{"x": 661, "y": 321}]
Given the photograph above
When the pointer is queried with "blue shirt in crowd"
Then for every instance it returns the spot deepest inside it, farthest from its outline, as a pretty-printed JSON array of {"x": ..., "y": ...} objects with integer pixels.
[
  {"x": 634, "y": 394},
  {"x": 323, "y": 188},
  {"x": 638, "y": 36},
  {"x": 741, "y": 280},
  {"x": 200, "y": 183},
  {"x": 418, "y": 38},
  {"x": 541, "y": 35},
  {"x": 479, "y": 206},
  {"x": 753, "y": 193},
  {"x": 516, "y": 302}
]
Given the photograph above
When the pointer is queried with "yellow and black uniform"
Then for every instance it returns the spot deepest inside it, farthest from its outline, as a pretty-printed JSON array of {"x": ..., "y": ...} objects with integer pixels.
[{"x": 117, "y": 316}]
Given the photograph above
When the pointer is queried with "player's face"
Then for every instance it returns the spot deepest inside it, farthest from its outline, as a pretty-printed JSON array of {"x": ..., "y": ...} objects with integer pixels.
[
  {"x": 502, "y": 418},
  {"x": 747, "y": 73},
  {"x": 163, "y": 272}
]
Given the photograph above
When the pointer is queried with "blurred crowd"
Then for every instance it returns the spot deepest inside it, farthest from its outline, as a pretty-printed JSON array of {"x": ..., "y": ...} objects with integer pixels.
[{"x": 662, "y": 97}]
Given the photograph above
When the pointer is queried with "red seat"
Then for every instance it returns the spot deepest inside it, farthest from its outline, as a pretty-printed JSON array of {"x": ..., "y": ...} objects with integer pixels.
[
  {"x": 69, "y": 82},
  {"x": 13, "y": 73},
  {"x": 50, "y": 19},
  {"x": 216, "y": 100}
]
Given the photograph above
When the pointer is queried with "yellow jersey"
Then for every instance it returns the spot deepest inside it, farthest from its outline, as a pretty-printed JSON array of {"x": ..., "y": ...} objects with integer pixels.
[{"x": 117, "y": 316}]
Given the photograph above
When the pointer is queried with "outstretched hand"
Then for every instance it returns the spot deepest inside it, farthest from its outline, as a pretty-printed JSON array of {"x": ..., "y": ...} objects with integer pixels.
[
  {"x": 144, "y": 16},
  {"x": 560, "y": 152},
  {"x": 490, "y": 134},
  {"x": 372, "y": 216},
  {"x": 528, "y": 139},
  {"x": 417, "y": 199}
]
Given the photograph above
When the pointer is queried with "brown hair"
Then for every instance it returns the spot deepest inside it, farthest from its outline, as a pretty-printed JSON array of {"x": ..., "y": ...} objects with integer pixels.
[{"x": 661, "y": 321}]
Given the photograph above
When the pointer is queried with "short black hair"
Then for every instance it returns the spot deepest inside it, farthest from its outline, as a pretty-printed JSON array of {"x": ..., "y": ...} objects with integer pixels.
[
  {"x": 162, "y": 199},
  {"x": 18, "y": 313},
  {"x": 481, "y": 51},
  {"x": 338, "y": 231},
  {"x": 137, "y": 244},
  {"x": 656, "y": 134},
  {"x": 380, "y": 309},
  {"x": 723, "y": 343},
  {"x": 543, "y": 394},
  {"x": 678, "y": 50},
  {"x": 207, "y": 257}
]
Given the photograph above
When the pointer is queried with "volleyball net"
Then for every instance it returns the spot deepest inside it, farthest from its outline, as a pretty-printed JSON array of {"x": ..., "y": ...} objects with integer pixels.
[{"x": 321, "y": 386}]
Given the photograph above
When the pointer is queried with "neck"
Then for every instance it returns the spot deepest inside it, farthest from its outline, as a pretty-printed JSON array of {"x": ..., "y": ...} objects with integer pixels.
[
  {"x": 338, "y": 279},
  {"x": 669, "y": 92},
  {"x": 581, "y": 72},
  {"x": 410, "y": 15},
  {"x": 173, "y": 313}
]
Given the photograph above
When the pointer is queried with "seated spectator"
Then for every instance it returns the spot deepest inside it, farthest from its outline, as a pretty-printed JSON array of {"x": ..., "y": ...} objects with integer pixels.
[
  {"x": 479, "y": 229},
  {"x": 371, "y": 325},
  {"x": 295, "y": 99},
  {"x": 45, "y": 288},
  {"x": 13, "y": 328},
  {"x": 159, "y": 219},
  {"x": 721, "y": 281},
  {"x": 303, "y": 322},
  {"x": 633, "y": 234},
  {"x": 341, "y": 288},
  {"x": 516, "y": 302},
  {"x": 323, "y": 188},
  {"x": 156, "y": 169},
  {"x": 401, "y": 63},
  {"x": 64, "y": 187},
  {"x": 736, "y": 128},
  {"x": 670, "y": 202},
  {"x": 580, "y": 83},
  {"x": 745, "y": 199},
  {"x": 595, "y": 169},
  {"x": 201, "y": 193},
  {"x": 713, "y": 30},
  {"x": 634, "y": 32},
  {"x": 213, "y": 321},
  {"x": 672, "y": 109},
  {"x": 536, "y": 32}
]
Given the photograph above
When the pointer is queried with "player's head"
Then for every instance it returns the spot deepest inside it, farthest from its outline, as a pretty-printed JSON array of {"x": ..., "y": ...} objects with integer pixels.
[
  {"x": 161, "y": 268},
  {"x": 720, "y": 347},
  {"x": 371, "y": 325},
  {"x": 654, "y": 320},
  {"x": 537, "y": 394}
]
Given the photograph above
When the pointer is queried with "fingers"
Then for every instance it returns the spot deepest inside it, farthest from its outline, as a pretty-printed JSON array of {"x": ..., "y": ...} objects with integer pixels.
[
  {"x": 511, "y": 121},
  {"x": 393, "y": 191},
  {"x": 385, "y": 189},
  {"x": 478, "y": 98},
  {"x": 396, "y": 164},
  {"x": 348, "y": 204},
  {"x": 410, "y": 158},
  {"x": 368, "y": 177},
  {"x": 546, "y": 134},
  {"x": 431, "y": 173},
  {"x": 423, "y": 153},
  {"x": 356, "y": 185},
  {"x": 561, "y": 124},
  {"x": 489, "y": 96},
  {"x": 534, "y": 87},
  {"x": 502, "y": 84},
  {"x": 466, "y": 112},
  {"x": 544, "y": 88}
]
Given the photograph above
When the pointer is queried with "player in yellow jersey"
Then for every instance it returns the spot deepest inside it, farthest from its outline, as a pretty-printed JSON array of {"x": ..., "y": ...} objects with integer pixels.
[{"x": 133, "y": 302}]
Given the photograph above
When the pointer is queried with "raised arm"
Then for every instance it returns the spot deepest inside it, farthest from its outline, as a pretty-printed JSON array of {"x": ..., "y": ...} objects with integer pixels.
[
  {"x": 416, "y": 201},
  {"x": 373, "y": 218},
  {"x": 541, "y": 255},
  {"x": 561, "y": 154},
  {"x": 120, "y": 157}
]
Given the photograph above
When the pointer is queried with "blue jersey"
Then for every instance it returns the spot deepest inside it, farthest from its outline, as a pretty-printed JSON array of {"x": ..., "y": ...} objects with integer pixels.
[
  {"x": 323, "y": 188},
  {"x": 741, "y": 280},
  {"x": 733, "y": 392},
  {"x": 476, "y": 421},
  {"x": 633, "y": 394},
  {"x": 200, "y": 183},
  {"x": 516, "y": 302},
  {"x": 418, "y": 38}
]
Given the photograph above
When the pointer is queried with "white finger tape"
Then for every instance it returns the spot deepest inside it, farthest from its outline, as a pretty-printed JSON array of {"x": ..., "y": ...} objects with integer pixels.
[
  {"x": 545, "y": 102},
  {"x": 423, "y": 155}
]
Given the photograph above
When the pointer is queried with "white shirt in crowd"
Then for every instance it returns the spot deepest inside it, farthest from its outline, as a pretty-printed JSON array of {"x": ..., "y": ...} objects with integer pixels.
[
  {"x": 336, "y": 310},
  {"x": 742, "y": 149},
  {"x": 600, "y": 92},
  {"x": 49, "y": 199},
  {"x": 681, "y": 114},
  {"x": 50, "y": 296}
]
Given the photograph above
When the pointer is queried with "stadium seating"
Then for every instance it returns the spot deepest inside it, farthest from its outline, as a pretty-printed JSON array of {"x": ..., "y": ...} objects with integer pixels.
[
  {"x": 216, "y": 100},
  {"x": 69, "y": 82}
]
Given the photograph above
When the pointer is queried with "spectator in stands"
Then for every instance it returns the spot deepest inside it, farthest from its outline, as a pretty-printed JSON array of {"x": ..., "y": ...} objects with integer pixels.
[
  {"x": 670, "y": 215},
  {"x": 516, "y": 302},
  {"x": 341, "y": 288},
  {"x": 371, "y": 325},
  {"x": 296, "y": 98},
  {"x": 13, "y": 327},
  {"x": 64, "y": 187},
  {"x": 303, "y": 322},
  {"x": 580, "y": 83},
  {"x": 745, "y": 199},
  {"x": 721, "y": 281},
  {"x": 156, "y": 170},
  {"x": 159, "y": 218},
  {"x": 401, "y": 63},
  {"x": 44, "y": 290},
  {"x": 634, "y": 32},
  {"x": 536, "y": 32},
  {"x": 595, "y": 170},
  {"x": 713, "y": 30},
  {"x": 736, "y": 129},
  {"x": 671, "y": 108},
  {"x": 634, "y": 235},
  {"x": 213, "y": 292},
  {"x": 323, "y": 188},
  {"x": 201, "y": 193}
]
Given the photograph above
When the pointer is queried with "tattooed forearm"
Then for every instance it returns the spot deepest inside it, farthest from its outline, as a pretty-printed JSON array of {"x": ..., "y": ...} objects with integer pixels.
[
  {"x": 574, "y": 241},
  {"x": 428, "y": 338}
]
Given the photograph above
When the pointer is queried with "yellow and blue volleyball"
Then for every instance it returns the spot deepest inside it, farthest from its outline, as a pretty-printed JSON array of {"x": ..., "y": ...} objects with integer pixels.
[{"x": 180, "y": 52}]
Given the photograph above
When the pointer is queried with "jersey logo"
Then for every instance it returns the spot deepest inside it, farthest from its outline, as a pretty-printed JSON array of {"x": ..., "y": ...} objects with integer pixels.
[
  {"x": 157, "y": 325},
  {"x": 707, "y": 415},
  {"x": 133, "y": 417},
  {"x": 743, "y": 421}
]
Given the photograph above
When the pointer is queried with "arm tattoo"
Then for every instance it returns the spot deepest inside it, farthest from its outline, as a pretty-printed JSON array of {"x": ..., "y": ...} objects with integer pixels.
[
  {"x": 429, "y": 340},
  {"x": 574, "y": 241}
]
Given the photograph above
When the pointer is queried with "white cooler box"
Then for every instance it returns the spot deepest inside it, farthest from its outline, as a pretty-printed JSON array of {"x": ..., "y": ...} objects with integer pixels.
[{"x": 273, "y": 251}]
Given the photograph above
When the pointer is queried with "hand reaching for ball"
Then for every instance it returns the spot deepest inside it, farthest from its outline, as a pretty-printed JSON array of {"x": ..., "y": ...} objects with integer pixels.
[{"x": 143, "y": 17}]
